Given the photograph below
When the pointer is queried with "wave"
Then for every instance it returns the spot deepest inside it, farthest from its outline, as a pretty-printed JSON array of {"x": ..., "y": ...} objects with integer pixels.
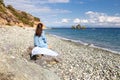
[
  {"x": 72, "y": 40},
  {"x": 86, "y": 44}
]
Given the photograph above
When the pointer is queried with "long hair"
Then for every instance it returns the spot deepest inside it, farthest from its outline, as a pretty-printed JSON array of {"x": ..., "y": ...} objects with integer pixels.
[{"x": 38, "y": 31}]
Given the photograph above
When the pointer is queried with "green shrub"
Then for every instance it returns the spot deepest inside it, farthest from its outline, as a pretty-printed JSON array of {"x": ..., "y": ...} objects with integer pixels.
[
  {"x": 23, "y": 16},
  {"x": 10, "y": 8},
  {"x": 8, "y": 24},
  {"x": 31, "y": 24},
  {"x": 2, "y": 9},
  {"x": 2, "y": 3},
  {"x": 36, "y": 19}
]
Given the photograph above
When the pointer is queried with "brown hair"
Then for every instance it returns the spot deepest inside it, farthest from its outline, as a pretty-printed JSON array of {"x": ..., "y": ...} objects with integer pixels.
[{"x": 38, "y": 31}]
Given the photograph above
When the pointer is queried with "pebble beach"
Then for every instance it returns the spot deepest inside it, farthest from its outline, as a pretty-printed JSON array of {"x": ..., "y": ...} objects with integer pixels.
[{"x": 78, "y": 61}]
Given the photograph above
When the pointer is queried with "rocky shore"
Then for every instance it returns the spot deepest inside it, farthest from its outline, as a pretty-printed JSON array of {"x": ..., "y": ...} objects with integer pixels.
[
  {"x": 82, "y": 62},
  {"x": 14, "y": 64},
  {"x": 79, "y": 62}
]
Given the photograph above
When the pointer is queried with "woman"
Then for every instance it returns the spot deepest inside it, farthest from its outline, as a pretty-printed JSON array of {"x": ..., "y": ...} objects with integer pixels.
[
  {"x": 40, "y": 44},
  {"x": 39, "y": 37}
]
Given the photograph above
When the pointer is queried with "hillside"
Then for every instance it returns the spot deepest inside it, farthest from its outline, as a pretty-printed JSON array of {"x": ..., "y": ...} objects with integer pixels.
[{"x": 11, "y": 16}]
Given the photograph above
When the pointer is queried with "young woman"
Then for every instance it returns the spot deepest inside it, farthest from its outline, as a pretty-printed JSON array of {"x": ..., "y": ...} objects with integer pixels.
[
  {"x": 40, "y": 44},
  {"x": 39, "y": 37}
]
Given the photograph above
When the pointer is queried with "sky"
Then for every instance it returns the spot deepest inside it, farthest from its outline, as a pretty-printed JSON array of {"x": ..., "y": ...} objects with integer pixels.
[{"x": 65, "y": 13}]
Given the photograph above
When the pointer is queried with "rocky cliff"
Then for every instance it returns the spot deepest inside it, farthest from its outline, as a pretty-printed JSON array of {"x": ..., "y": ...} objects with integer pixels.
[{"x": 11, "y": 16}]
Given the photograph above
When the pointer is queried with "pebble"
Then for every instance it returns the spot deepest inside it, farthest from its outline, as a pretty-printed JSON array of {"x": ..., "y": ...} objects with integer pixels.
[{"x": 78, "y": 62}]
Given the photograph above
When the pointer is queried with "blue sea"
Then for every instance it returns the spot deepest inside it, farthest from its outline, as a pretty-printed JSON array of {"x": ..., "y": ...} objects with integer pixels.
[{"x": 106, "y": 38}]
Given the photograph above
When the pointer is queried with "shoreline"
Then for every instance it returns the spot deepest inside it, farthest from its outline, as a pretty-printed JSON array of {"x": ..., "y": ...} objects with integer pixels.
[
  {"x": 84, "y": 62},
  {"x": 78, "y": 62},
  {"x": 86, "y": 44}
]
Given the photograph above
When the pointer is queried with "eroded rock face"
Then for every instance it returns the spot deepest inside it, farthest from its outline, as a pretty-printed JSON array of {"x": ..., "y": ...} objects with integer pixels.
[{"x": 11, "y": 16}]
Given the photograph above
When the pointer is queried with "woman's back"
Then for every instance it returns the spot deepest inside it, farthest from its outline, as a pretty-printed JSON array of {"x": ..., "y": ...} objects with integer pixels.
[{"x": 40, "y": 41}]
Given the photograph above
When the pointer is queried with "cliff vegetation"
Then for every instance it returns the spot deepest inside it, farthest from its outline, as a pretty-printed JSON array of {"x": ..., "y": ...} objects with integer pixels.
[{"x": 11, "y": 16}]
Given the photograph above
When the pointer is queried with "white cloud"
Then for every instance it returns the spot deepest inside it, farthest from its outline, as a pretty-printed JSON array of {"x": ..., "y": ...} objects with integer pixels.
[
  {"x": 102, "y": 19},
  {"x": 77, "y": 20},
  {"x": 58, "y": 1},
  {"x": 65, "y": 20},
  {"x": 34, "y": 7},
  {"x": 112, "y": 19},
  {"x": 60, "y": 11},
  {"x": 94, "y": 15},
  {"x": 84, "y": 21},
  {"x": 62, "y": 21},
  {"x": 51, "y": 1}
]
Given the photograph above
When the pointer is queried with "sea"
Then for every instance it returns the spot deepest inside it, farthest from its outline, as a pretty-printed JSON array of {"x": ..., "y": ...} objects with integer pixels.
[{"x": 105, "y": 38}]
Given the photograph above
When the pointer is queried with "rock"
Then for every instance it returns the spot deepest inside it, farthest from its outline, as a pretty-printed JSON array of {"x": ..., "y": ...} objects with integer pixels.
[
  {"x": 15, "y": 68},
  {"x": 13, "y": 60}
]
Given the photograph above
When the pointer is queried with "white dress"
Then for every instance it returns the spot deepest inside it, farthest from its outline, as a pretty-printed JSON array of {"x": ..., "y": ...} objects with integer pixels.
[{"x": 45, "y": 51}]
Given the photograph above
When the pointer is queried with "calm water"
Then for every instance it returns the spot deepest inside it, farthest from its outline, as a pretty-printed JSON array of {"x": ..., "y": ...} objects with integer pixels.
[{"x": 102, "y": 37}]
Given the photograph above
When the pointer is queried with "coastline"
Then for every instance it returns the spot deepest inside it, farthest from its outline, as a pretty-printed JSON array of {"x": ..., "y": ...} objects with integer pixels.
[
  {"x": 86, "y": 44},
  {"x": 83, "y": 61},
  {"x": 79, "y": 62}
]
